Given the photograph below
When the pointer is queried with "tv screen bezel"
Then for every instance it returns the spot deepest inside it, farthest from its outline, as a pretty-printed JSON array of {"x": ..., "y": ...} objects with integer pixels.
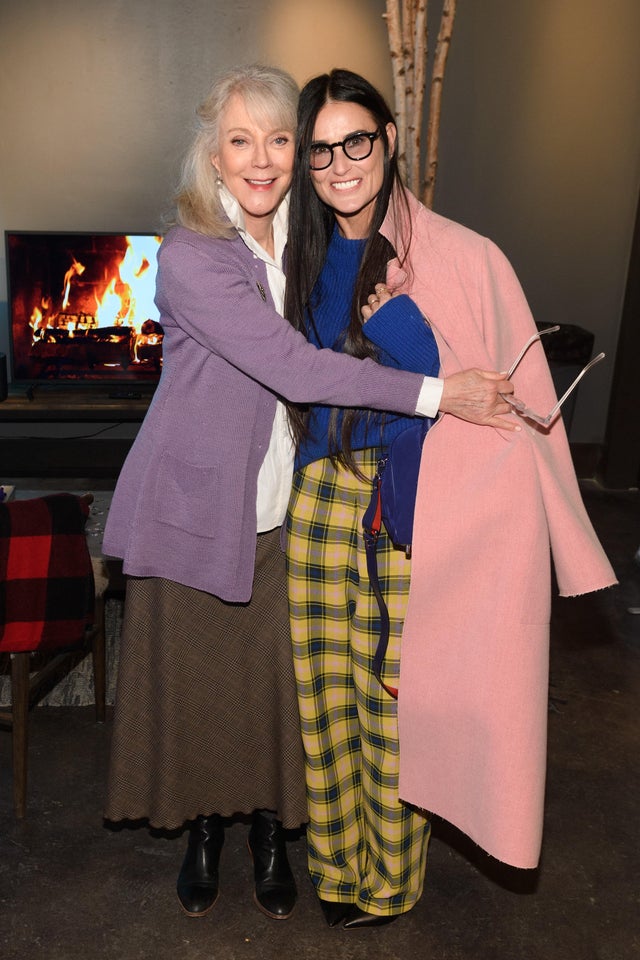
[{"x": 119, "y": 385}]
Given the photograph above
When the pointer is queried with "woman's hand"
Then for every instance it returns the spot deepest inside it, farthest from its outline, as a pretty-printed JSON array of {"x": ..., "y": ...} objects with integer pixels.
[
  {"x": 475, "y": 395},
  {"x": 375, "y": 300}
]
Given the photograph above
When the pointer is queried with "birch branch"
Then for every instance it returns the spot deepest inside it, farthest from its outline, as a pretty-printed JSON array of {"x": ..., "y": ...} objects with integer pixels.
[
  {"x": 420, "y": 46},
  {"x": 408, "y": 56},
  {"x": 443, "y": 44},
  {"x": 394, "y": 31}
]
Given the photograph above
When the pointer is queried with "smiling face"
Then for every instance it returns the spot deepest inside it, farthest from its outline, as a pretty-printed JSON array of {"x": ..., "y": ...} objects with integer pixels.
[
  {"x": 350, "y": 187},
  {"x": 255, "y": 163}
]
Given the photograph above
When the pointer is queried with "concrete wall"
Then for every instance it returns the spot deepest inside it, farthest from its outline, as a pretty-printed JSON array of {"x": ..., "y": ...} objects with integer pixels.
[{"x": 540, "y": 139}]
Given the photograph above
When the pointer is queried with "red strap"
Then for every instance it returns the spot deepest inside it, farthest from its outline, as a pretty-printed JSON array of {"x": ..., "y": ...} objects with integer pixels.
[{"x": 376, "y": 525}]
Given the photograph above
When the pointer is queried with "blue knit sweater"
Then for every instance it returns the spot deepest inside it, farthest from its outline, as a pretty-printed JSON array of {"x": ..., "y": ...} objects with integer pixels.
[{"x": 398, "y": 329}]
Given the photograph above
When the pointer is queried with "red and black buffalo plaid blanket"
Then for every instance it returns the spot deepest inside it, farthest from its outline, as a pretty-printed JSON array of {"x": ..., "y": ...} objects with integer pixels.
[{"x": 46, "y": 576}]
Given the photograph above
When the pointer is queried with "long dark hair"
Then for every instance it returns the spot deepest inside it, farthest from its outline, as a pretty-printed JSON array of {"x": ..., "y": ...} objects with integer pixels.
[{"x": 311, "y": 224}]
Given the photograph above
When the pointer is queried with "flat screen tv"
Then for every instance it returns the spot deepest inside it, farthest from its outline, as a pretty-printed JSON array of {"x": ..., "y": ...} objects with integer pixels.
[{"x": 81, "y": 309}]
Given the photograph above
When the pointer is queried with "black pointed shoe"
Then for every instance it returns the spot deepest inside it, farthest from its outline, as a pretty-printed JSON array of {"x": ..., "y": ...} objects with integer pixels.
[
  {"x": 198, "y": 878},
  {"x": 357, "y": 918},
  {"x": 275, "y": 888},
  {"x": 334, "y": 912}
]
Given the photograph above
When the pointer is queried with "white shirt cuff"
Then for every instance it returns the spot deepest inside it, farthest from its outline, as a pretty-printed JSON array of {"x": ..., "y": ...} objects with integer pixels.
[{"x": 430, "y": 397}]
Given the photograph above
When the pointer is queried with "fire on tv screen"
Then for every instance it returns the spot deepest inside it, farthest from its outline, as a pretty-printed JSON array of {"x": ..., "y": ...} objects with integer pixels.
[{"x": 81, "y": 308}]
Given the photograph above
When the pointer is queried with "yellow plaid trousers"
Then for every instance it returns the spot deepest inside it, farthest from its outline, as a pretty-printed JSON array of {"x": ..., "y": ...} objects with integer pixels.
[{"x": 364, "y": 846}]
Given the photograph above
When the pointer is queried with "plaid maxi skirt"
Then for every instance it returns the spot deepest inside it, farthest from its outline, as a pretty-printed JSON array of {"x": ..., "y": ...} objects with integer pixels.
[
  {"x": 364, "y": 845},
  {"x": 206, "y": 717}
]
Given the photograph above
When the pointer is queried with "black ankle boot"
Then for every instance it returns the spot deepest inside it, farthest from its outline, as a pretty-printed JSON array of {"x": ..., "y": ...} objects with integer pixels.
[
  {"x": 357, "y": 918},
  {"x": 275, "y": 890},
  {"x": 198, "y": 878},
  {"x": 334, "y": 912}
]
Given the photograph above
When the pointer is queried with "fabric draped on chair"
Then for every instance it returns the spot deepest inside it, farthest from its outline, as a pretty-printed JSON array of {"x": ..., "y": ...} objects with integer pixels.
[
  {"x": 46, "y": 576},
  {"x": 48, "y": 600}
]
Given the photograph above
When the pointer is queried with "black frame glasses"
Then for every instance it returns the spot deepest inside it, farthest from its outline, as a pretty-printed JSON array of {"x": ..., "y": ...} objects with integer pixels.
[{"x": 351, "y": 143}]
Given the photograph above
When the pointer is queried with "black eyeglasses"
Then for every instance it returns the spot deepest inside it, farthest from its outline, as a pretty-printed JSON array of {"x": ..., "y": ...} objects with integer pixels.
[{"x": 357, "y": 146}]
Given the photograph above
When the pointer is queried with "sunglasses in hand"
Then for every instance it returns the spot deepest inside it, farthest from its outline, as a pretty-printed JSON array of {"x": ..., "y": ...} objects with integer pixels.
[{"x": 520, "y": 407}]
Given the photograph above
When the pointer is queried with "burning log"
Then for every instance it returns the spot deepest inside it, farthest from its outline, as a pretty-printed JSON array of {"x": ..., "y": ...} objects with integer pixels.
[{"x": 99, "y": 320}]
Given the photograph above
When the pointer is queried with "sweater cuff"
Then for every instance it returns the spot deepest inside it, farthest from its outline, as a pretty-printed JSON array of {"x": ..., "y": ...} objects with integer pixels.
[{"x": 400, "y": 329}]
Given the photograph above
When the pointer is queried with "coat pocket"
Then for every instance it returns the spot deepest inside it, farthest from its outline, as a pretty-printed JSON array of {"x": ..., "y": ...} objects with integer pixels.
[{"x": 184, "y": 496}]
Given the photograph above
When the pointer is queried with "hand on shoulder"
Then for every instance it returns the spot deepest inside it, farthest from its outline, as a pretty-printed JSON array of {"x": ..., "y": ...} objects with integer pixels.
[{"x": 376, "y": 300}]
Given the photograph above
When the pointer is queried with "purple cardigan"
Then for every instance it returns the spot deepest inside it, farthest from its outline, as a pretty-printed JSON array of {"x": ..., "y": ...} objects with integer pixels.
[{"x": 184, "y": 507}]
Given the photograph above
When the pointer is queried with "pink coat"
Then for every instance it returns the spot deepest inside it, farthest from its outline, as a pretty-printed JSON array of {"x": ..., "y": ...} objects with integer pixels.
[{"x": 492, "y": 507}]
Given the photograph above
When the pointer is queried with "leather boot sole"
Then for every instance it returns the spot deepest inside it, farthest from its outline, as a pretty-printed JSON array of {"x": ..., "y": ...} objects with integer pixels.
[
  {"x": 261, "y": 907},
  {"x": 199, "y": 913},
  {"x": 267, "y": 913}
]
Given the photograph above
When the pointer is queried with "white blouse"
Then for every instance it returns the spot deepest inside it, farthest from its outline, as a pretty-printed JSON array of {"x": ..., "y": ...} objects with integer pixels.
[{"x": 276, "y": 472}]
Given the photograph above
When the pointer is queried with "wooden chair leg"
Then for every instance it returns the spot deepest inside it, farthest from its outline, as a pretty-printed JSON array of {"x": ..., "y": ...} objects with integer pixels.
[
  {"x": 98, "y": 645},
  {"x": 19, "y": 733}
]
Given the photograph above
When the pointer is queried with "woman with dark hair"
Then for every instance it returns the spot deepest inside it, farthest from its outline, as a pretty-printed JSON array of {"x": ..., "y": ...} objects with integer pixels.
[{"x": 445, "y": 302}]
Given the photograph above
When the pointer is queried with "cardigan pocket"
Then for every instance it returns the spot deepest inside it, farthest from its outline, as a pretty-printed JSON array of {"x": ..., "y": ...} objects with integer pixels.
[{"x": 184, "y": 496}]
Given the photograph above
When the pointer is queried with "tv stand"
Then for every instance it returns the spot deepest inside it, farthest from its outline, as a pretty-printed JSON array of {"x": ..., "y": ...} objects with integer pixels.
[
  {"x": 125, "y": 395},
  {"x": 41, "y": 403},
  {"x": 83, "y": 455}
]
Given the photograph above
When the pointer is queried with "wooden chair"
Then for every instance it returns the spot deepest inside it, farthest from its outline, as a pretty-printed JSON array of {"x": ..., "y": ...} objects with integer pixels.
[{"x": 51, "y": 610}]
